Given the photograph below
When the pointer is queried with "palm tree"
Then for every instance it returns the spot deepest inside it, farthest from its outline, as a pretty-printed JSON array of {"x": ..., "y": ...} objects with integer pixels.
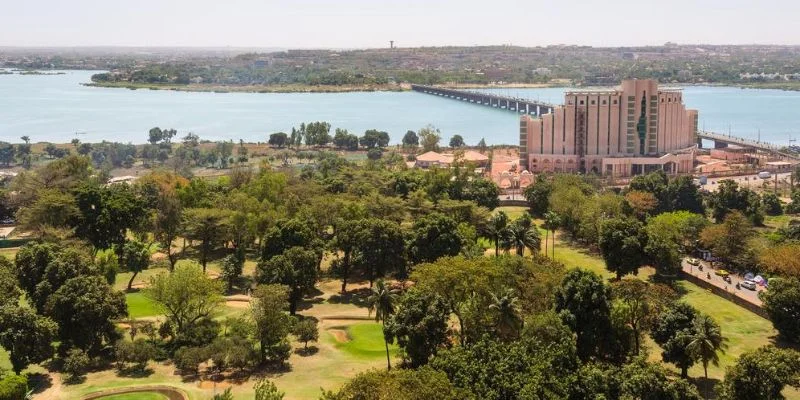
[
  {"x": 498, "y": 228},
  {"x": 706, "y": 341},
  {"x": 382, "y": 302},
  {"x": 522, "y": 234},
  {"x": 506, "y": 309},
  {"x": 551, "y": 223}
]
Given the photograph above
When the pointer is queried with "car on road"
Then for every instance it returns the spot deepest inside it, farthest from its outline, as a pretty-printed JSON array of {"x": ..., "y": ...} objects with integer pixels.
[
  {"x": 749, "y": 285},
  {"x": 693, "y": 261}
]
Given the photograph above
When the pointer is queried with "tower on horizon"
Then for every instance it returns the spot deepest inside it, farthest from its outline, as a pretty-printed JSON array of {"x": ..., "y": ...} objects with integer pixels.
[{"x": 391, "y": 44}]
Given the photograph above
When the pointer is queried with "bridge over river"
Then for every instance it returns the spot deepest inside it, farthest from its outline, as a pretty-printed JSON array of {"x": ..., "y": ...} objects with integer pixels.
[
  {"x": 721, "y": 140},
  {"x": 519, "y": 105}
]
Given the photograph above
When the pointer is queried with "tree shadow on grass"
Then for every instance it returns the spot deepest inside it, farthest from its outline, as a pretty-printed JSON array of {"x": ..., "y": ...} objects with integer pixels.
[
  {"x": 356, "y": 297},
  {"x": 307, "y": 351},
  {"x": 706, "y": 386},
  {"x": 39, "y": 382},
  {"x": 307, "y": 304},
  {"x": 134, "y": 372}
]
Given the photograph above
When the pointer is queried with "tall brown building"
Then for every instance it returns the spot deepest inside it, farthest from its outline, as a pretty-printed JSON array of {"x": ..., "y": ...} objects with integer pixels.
[{"x": 635, "y": 129}]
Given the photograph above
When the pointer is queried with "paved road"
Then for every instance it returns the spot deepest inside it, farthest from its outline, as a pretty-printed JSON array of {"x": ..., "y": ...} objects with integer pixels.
[
  {"x": 747, "y": 294},
  {"x": 750, "y": 181}
]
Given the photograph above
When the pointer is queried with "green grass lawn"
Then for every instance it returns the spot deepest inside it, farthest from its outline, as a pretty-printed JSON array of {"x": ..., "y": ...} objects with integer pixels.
[
  {"x": 9, "y": 253},
  {"x": 136, "y": 396},
  {"x": 513, "y": 212},
  {"x": 140, "y": 306},
  {"x": 366, "y": 342}
]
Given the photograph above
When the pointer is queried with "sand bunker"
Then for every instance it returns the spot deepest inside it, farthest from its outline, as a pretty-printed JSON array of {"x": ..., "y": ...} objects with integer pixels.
[{"x": 340, "y": 335}]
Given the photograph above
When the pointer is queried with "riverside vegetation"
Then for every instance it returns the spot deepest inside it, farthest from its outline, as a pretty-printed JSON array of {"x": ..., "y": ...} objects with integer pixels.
[{"x": 453, "y": 297}]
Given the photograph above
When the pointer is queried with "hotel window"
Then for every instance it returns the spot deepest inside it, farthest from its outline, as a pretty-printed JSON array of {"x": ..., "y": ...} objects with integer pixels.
[
  {"x": 581, "y": 103},
  {"x": 592, "y": 102},
  {"x": 604, "y": 102},
  {"x": 615, "y": 102}
]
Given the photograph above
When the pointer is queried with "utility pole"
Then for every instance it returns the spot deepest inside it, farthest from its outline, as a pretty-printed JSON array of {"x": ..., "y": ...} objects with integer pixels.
[{"x": 391, "y": 44}]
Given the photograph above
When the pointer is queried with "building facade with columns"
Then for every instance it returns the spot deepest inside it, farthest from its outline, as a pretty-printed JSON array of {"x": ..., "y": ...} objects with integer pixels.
[{"x": 632, "y": 130}]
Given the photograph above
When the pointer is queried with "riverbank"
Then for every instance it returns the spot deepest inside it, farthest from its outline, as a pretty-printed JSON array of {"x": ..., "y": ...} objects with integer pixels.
[{"x": 252, "y": 88}]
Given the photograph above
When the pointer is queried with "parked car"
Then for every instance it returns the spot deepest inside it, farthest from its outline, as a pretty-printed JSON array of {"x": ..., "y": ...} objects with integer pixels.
[
  {"x": 693, "y": 261},
  {"x": 749, "y": 285}
]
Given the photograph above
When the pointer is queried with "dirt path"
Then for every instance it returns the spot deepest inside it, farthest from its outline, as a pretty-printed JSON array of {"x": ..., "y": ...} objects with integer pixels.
[{"x": 54, "y": 392}]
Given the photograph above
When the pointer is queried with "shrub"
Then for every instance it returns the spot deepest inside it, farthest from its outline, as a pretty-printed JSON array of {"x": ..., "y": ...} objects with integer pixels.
[
  {"x": 306, "y": 331},
  {"x": 187, "y": 359},
  {"x": 13, "y": 387},
  {"x": 76, "y": 364}
]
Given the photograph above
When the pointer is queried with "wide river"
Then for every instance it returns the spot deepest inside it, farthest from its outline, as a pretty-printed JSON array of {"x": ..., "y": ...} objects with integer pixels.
[{"x": 54, "y": 107}]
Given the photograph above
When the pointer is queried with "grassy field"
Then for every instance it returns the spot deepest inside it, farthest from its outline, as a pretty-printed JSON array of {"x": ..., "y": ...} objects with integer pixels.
[
  {"x": 364, "y": 341},
  {"x": 140, "y": 306},
  {"x": 9, "y": 253}
]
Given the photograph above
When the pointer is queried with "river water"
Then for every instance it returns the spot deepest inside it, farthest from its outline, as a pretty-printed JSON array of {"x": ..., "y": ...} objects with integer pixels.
[{"x": 54, "y": 107}]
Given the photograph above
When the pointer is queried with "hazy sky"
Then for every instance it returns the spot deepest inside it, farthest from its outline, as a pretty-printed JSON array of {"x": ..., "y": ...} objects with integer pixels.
[{"x": 362, "y": 23}]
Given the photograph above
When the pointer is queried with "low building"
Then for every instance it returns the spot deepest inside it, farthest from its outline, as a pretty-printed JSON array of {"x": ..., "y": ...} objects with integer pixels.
[
  {"x": 432, "y": 158},
  {"x": 733, "y": 154}
]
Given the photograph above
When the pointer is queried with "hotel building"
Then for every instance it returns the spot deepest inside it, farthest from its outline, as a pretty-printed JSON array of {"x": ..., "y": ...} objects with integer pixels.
[{"x": 632, "y": 130}]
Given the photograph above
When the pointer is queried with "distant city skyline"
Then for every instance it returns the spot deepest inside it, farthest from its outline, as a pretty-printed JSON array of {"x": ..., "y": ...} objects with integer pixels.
[{"x": 409, "y": 23}]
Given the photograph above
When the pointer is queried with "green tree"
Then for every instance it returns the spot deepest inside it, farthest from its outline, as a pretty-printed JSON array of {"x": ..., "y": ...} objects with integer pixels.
[
  {"x": 287, "y": 233},
  {"x": 706, "y": 341},
  {"x": 373, "y": 138},
  {"x": 135, "y": 258},
  {"x": 550, "y": 224},
  {"x": 410, "y": 139},
  {"x": 729, "y": 240},
  {"x": 673, "y": 331},
  {"x": 306, "y": 331},
  {"x": 460, "y": 282},
  {"x": 638, "y": 303},
  {"x": 187, "y": 296},
  {"x": 271, "y": 322},
  {"x": 433, "y": 236},
  {"x": 398, "y": 384},
  {"x": 266, "y": 390},
  {"x": 498, "y": 230},
  {"x": 584, "y": 303},
  {"x": 729, "y": 197},
  {"x": 382, "y": 301},
  {"x": 506, "y": 314},
  {"x": 278, "y": 139},
  {"x": 231, "y": 269},
  {"x": 457, "y": 141},
  {"x": 429, "y": 138},
  {"x": 52, "y": 209},
  {"x": 622, "y": 242},
  {"x": 419, "y": 325},
  {"x": 772, "y": 204},
  {"x": 296, "y": 268},
  {"x": 761, "y": 374},
  {"x": 107, "y": 213},
  {"x": 782, "y": 304},
  {"x": 522, "y": 234},
  {"x": 380, "y": 248},
  {"x": 27, "y": 336},
  {"x": 14, "y": 387},
  {"x": 75, "y": 364},
  {"x": 167, "y": 223},
  {"x": 669, "y": 235},
  {"x": 206, "y": 225},
  {"x": 85, "y": 309}
]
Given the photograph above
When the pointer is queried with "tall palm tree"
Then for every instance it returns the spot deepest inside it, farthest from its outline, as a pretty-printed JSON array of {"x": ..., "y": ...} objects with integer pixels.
[
  {"x": 508, "y": 322},
  {"x": 551, "y": 223},
  {"x": 522, "y": 234},
  {"x": 498, "y": 228},
  {"x": 706, "y": 341},
  {"x": 382, "y": 301}
]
